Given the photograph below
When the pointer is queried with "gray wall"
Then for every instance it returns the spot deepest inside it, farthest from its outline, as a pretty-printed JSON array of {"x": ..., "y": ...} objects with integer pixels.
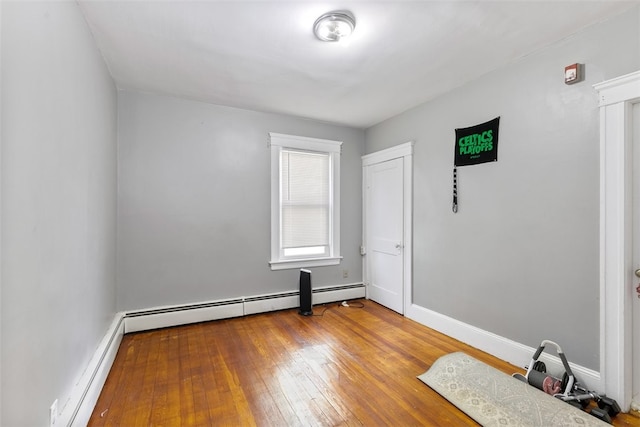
[
  {"x": 194, "y": 202},
  {"x": 59, "y": 205},
  {"x": 521, "y": 257}
]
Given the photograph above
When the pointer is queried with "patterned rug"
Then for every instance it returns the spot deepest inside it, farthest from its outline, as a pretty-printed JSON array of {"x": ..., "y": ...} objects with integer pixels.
[{"x": 493, "y": 398}]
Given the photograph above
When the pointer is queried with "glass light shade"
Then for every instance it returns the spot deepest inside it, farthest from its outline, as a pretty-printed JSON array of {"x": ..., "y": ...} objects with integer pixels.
[{"x": 333, "y": 26}]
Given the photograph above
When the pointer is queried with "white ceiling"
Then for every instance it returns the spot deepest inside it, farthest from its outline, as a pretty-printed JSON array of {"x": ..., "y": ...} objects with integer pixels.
[{"x": 262, "y": 55}]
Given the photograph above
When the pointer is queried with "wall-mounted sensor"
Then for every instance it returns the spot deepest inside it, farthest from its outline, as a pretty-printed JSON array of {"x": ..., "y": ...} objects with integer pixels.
[{"x": 573, "y": 73}]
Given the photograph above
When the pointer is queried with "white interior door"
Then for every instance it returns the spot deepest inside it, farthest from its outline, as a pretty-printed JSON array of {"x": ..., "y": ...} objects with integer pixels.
[
  {"x": 636, "y": 258},
  {"x": 384, "y": 231}
]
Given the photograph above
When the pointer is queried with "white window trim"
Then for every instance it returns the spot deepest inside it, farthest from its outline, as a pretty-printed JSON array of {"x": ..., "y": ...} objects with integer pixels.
[{"x": 279, "y": 141}]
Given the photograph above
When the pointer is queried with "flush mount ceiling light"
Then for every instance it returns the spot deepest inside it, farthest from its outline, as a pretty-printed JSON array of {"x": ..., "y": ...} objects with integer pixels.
[{"x": 334, "y": 26}]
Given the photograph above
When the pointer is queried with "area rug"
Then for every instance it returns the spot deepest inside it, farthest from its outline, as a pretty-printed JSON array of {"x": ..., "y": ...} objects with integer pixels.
[{"x": 493, "y": 398}]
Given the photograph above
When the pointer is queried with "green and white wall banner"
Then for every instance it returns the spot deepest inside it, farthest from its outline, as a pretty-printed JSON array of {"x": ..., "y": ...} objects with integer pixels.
[{"x": 474, "y": 145}]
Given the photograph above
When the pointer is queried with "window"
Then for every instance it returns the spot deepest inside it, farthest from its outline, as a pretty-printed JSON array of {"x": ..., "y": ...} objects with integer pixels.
[{"x": 305, "y": 202}]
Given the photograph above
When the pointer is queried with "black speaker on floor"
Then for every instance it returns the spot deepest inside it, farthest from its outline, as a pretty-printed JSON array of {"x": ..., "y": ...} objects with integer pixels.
[{"x": 305, "y": 293}]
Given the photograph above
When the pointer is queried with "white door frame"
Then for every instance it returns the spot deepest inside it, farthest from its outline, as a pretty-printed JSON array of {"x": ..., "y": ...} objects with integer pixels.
[
  {"x": 404, "y": 151},
  {"x": 616, "y": 97}
]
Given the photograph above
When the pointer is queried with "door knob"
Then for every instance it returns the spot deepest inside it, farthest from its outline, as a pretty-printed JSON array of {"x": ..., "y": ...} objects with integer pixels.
[{"x": 637, "y": 272}]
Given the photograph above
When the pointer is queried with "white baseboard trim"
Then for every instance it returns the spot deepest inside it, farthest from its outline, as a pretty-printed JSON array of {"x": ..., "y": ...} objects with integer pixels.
[
  {"x": 283, "y": 301},
  {"x": 329, "y": 294},
  {"x": 79, "y": 406},
  {"x": 164, "y": 317},
  {"x": 167, "y": 316},
  {"x": 503, "y": 348},
  {"x": 271, "y": 302},
  {"x": 77, "y": 409}
]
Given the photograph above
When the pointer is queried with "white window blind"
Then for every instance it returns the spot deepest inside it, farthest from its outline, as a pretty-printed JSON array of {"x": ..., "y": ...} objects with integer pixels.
[{"x": 305, "y": 203}]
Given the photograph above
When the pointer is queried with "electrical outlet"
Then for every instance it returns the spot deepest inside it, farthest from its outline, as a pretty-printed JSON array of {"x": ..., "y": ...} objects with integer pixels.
[
  {"x": 53, "y": 413},
  {"x": 345, "y": 274}
]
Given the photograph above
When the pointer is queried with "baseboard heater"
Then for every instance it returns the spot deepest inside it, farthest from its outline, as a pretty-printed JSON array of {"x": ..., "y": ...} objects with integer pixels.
[{"x": 163, "y": 317}]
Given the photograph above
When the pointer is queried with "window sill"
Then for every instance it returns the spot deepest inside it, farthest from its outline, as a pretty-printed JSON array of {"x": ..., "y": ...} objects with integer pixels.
[{"x": 305, "y": 263}]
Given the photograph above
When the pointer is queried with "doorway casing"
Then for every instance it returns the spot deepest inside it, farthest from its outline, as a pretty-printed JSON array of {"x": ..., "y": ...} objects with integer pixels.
[{"x": 616, "y": 97}]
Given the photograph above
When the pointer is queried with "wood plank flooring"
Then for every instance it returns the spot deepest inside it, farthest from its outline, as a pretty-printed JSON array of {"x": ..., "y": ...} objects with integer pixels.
[{"x": 344, "y": 366}]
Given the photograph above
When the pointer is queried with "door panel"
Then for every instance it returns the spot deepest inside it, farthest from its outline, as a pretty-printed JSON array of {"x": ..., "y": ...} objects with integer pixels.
[{"x": 384, "y": 233}]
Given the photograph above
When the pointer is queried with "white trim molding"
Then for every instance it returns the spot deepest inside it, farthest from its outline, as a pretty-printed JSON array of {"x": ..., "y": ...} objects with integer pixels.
[
  {"x": 619, "y": 90},
  {"x": 77, "y": 409},
  {"x": 616, "y": 97},
  {"x": 305, "y": 263},
  {"x": 79, "y": 406},
  {"x": 175, "y": 315},
  {"x": 503, "y": 348},
  {"x": 401, "y": 150}
]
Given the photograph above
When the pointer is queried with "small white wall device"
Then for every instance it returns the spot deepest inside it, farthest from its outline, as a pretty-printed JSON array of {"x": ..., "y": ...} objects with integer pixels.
[{"x": 573, "y": 73}]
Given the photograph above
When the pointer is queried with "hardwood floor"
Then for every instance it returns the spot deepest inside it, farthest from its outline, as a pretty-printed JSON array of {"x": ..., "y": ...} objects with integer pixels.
[{"x": 348, "y": 366}]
